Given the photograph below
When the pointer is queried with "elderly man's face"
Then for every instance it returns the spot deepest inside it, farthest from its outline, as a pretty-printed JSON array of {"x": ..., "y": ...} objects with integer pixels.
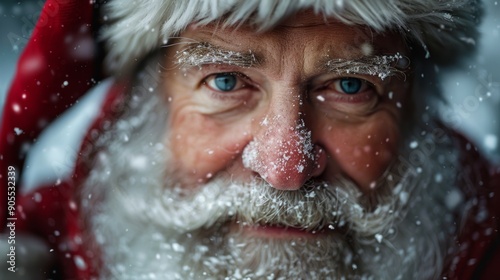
[
  {"x": 281, "y": 105},
  {"x": 281, "y": 140}
]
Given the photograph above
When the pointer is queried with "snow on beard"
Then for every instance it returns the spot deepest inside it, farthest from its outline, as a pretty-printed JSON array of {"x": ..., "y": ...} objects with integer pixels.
[{"x": 148, "y": 228}]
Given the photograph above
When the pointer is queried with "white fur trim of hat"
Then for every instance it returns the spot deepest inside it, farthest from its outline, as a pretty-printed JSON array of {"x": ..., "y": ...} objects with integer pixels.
[{"x": 446, "y": 29}]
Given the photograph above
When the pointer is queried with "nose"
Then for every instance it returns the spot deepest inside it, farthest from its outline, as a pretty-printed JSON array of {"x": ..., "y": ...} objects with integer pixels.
[{"x": 283, "y": 153}]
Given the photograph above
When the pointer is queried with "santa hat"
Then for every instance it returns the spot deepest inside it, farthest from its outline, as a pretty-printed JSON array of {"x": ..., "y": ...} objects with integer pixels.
[
  {"x": 445, "y": 29},
  {"x": 63, "y": 57}
]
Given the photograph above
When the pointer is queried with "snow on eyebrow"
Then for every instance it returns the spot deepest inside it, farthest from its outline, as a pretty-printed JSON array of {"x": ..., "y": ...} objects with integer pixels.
[
  {"x": 382, "y": 66},
  {"x": 204, "y": 53}
]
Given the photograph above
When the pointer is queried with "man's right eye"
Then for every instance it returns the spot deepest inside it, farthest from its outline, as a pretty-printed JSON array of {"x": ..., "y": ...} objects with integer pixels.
[
  {"x": 350, "y": 85},
  {"x": 224, "y": 82}
]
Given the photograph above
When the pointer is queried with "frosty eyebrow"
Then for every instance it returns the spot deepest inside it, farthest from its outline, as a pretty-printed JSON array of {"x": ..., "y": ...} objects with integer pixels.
[
  {"x": 382, "y": 66},
  {"x": 199, "y": 54}
]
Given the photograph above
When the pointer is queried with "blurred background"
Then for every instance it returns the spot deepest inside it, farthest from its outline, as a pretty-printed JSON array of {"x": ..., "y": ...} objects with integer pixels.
[{"x": 473, "y": 93}]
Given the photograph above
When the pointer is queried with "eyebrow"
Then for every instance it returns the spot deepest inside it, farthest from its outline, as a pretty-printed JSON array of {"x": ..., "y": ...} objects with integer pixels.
[
  {"x": 199, "y": 54},
  {"x": 381, "y": 66},
  {"x": 203, "y": 53}
]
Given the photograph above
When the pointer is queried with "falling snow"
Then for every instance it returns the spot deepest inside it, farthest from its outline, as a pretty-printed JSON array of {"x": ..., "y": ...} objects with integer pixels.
[
  {"x": 18, "y": 131},
  {"x": 37, "y": 197},
  {"x": 490, "y": 142},
  {"x": 80, "y": 262},
  {"x": 413, "y": 144},
  {"x": 453, "y": 199}
]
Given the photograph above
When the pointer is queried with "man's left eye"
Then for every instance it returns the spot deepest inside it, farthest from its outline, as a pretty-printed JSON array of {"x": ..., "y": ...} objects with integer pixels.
[{"x": 224, "y": 82}]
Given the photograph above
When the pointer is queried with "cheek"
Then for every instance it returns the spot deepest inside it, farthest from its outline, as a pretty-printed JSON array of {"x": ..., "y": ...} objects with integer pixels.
[
  {"x": 363, "y": 152},
  {"x": 201, "y": 147}
]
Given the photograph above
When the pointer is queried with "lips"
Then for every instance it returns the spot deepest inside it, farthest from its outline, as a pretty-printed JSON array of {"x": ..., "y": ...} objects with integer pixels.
[{"x": 282, "y": 231}]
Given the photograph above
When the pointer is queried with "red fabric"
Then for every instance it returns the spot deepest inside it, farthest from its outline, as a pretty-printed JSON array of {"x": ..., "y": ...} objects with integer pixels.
[
  {"x": 479, "y": 251},
  {"x": 52, "y": 212},
  {"x": 55, "y": 69}
]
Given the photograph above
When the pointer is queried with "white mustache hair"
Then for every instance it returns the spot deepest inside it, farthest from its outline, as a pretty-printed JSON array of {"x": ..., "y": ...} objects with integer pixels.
[{"x": 316, "y": 206}]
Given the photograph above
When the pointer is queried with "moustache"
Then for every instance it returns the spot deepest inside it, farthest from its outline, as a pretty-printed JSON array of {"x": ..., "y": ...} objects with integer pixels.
[{"x": 315, "y": 207}]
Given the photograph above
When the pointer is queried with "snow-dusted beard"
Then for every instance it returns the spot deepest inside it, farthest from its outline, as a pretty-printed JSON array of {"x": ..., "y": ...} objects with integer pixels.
[{"x": 152, "y": 228}]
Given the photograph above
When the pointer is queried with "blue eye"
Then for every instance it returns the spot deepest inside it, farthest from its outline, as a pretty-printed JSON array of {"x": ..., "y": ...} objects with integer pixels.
[
  {"x": 225, "y": 81},
  {"x": 351, "y": 85}
]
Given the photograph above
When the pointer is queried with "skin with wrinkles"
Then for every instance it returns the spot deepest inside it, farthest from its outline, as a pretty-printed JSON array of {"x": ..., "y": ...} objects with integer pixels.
[{"x": 356, "y": 135}]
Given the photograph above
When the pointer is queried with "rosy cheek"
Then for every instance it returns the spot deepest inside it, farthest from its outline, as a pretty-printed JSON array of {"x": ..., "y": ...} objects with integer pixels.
[
  {"x": 364, "y": 153},
  {"x": 201, "y": 148}
]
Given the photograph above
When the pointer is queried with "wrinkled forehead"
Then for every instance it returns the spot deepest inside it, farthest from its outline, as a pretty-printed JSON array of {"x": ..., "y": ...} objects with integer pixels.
[
  {"x": 304, "y": 29},
  {"x": 437, "y": 27}
]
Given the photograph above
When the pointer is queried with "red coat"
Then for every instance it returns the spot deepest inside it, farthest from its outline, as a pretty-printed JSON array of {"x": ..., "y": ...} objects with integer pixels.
[{"x": 55, "y": 218}]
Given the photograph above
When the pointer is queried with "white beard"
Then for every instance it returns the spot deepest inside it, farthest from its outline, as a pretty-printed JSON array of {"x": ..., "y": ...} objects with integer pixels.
[{"x": 147, "y": 228}]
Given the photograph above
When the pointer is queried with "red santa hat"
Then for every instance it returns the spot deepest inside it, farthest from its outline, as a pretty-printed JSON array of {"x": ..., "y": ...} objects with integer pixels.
[{"x": 63, "y": 58}]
